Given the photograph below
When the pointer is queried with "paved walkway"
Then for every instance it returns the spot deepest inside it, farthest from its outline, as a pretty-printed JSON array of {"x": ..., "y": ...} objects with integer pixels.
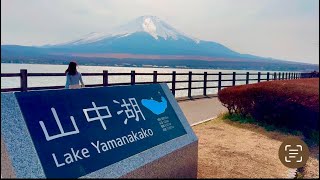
[{"x": 198, "y": 110}]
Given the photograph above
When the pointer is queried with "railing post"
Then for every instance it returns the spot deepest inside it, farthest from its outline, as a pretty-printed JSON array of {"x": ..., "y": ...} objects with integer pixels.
[
  {"x": 205, "y": 76},
  {"x": 247, "y": 78},
  {"x": 274, "y": 76},
  {"x": 155, "y": 74},
  {"x": 24, "y": 80},
  {"x": 219, "y": 81},
  {"x": 268, "y": 74},
  {"x": 189, "y": 84},
  {"x": 259, "y": 76},
  {"x": 282, "y": 75},
  {"x": 233, "y": 78},
  {"x": 133, "y": 77},
  {"x": 289, "y": 75},
  {"x": 294, "y": 76},
  {"x": 279, "y": 76},
  {"x": 105, "y": 78},
  {"x": 173, "y": 83},
  {"x": 286, "y": 75}
]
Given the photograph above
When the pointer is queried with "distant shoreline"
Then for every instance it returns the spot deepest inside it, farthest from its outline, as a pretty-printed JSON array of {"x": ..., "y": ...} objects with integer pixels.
[{"x": 151, "y": 66}]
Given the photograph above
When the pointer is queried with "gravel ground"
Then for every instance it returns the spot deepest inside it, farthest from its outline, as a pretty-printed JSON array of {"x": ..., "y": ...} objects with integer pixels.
[
  {"x": 232, "y": 150},
  {"x": 312, "y": 166}
]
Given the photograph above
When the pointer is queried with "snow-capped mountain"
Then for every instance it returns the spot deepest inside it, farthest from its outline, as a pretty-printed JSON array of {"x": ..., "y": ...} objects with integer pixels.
[
  {"x": 151, "y": 25},
  {"x": 143, "y": 35}
]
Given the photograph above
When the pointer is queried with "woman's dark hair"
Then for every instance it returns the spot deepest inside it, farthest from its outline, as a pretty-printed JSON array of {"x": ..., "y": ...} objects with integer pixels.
[{"x": 72, "y": 68}]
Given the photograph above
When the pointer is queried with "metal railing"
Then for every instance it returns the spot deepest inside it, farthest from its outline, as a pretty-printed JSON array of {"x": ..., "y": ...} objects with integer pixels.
[{"x": 24, "y": 75}]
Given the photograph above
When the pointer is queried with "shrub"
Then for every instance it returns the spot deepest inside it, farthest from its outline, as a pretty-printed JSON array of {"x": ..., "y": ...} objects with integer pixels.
[{"x": 292, "y": 104}]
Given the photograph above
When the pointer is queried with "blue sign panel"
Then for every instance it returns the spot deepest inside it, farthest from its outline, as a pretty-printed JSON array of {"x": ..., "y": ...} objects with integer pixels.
[{"x": 78, "y": 131}]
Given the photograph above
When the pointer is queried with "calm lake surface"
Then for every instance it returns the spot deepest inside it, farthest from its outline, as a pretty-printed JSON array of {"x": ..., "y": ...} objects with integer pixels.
[{"x": 13, "y": 82}]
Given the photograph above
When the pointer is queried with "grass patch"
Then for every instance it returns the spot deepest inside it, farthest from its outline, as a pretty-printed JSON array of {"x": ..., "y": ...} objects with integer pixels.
[
  {"x": 311, "y": 140},
  {"x": 300, "y": 173},
  {"x": 268, "y": 127}
]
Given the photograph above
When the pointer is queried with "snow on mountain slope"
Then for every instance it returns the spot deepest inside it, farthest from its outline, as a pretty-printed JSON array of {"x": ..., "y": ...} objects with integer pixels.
[
  {"x": 152, "y": 25},
  {"x": 88, "y": 38}
]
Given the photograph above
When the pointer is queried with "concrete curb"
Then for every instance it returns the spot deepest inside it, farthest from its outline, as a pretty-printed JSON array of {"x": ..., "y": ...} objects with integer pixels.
[{"x": 203, "y": 121}]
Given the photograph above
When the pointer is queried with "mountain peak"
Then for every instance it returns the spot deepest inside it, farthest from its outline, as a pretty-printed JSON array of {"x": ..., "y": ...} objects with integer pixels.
[
  {"x": 150, "y": 24},
  {"x": 155, "y": 27},
  {"x": 150, "y": 16}
]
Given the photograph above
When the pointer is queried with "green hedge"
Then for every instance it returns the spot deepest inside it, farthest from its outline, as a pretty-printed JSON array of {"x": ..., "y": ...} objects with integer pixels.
[{"x": 288, "y": 103}]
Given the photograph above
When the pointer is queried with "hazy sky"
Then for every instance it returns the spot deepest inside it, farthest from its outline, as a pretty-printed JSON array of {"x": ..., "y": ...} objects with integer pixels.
[{"x": 283, "y": 29}]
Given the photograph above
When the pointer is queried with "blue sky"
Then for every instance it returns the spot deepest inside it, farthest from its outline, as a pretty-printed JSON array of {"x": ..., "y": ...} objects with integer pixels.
[{"x": 282, "y": 29}]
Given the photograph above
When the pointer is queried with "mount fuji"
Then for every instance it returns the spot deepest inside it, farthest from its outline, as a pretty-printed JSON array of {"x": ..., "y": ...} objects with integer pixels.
[
  {"x": 144, "y": 35},
  {"x": 144, "y": 40},
  {"x": 151, "y": 25}
]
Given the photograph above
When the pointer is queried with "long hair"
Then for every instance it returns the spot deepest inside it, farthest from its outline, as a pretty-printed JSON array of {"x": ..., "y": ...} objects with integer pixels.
[{"x": 72, "y": 68}]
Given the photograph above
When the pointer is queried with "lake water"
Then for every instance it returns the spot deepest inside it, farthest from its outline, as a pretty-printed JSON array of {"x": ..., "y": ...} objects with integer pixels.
[{"x": 13, "y": 82}]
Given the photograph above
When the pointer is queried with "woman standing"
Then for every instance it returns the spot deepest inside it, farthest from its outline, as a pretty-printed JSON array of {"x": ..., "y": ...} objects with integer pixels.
[{"x": 73, "y": 77}]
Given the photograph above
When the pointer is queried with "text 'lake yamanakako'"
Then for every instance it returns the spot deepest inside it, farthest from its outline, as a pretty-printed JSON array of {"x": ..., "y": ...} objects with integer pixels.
[{"x": 78, "y": 131}]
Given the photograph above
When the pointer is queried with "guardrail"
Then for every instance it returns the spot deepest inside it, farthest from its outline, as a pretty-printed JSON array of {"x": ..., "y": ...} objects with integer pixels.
[{"x": 105, "y": 74}]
